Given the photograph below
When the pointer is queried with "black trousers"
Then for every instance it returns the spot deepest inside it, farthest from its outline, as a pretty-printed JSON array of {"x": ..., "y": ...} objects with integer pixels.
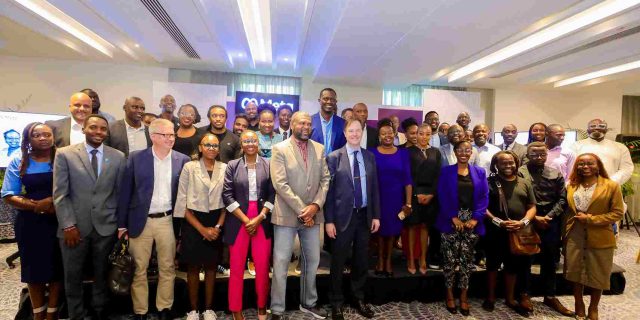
[
  {"x": 549, "y": 256},
  {"x": 356, "y": 236}
]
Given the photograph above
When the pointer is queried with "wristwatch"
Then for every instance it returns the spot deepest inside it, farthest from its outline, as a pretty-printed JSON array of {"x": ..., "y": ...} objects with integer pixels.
[
  {"x": 525, "y": 221},
  {"x": 219, "y": 227}
]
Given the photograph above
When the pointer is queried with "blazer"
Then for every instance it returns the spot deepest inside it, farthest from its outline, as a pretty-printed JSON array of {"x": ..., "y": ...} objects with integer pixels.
[
  {"x": 518, "y": 149},
  {"x": 448, "y": 197},
  {"x": 196, "y": 191},
  {"x": 81, "y": 198},
  {"x": 445, "y": 152},
  {"x": 606, "y": 207},
  {"x": 137, "y": 188},
  {"x": 340, "y": 197},
  {"x": 235, "y": 193},
  {"x": 372, "y": 137},
  {"x": 61, "y": 129},
  {"x": 118, "y": 137},
  {"x": 338, "y": 140},
  {"x": 297, "y": 185}
]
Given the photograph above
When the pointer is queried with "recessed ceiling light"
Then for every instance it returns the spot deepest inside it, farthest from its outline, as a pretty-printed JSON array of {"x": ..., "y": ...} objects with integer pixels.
[
  {"x": 256, "y": 19},
  {"x": 553, "y": 32},
  {"x": 599, "y": 73},
  {"x": 137, "y": 45},
  {"x": 54, "y": 15}
]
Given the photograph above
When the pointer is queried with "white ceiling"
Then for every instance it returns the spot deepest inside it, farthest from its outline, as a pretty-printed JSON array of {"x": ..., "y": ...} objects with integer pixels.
[{"x": 354, "y": 42}]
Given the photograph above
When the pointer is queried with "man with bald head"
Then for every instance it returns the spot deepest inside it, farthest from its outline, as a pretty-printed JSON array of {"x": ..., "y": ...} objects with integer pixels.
[
  {"x": 68, "y": 131},
  {"x": 167, "y": 107},
  {"x": 251, "y": 110},
  {"x": 509, "y": 134},
  {"x": 369, "y": 134},
  {"x": 400, "y": 138},
  {"x": 484, "y": 149},
  {"x": 130, "y": 134},
  {"x": 558, "y": 157},
  {"x": 454, "y": 135},
  {"x": 614, "y": 155},
  {"x": 464, "y": 120}
]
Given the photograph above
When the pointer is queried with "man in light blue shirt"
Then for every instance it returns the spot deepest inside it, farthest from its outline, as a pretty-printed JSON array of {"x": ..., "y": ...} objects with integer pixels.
[{"x": 484, "y": 150}]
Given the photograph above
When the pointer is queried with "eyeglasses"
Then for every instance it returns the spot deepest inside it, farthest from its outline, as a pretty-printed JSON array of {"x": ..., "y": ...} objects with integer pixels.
[
  {"x": 598, "y": 126},
  {"x": 537, "y": 155},
  {"x": 210, "y": 146},
  {"x": 187, "y": 114},
  {"x": 464, "y": 151},
  {"x": 250, "y": 141},
  {"x": 166, "y": 135}
]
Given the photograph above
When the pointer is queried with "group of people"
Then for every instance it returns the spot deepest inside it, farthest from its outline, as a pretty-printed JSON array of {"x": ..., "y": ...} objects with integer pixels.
[{"x": 194, "y": 193}]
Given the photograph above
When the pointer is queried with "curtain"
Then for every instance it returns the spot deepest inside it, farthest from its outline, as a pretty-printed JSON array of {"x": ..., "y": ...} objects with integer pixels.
[
  {"x": 239, "y": 81},
  {"x": 410, "y": 96},
  {"x": 630, "y": 114}
]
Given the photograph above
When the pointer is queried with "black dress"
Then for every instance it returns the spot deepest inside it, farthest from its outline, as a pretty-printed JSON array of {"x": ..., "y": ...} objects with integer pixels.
[
  {"x": 188, "y": 145},
  {"x": 425, "y": 170}
]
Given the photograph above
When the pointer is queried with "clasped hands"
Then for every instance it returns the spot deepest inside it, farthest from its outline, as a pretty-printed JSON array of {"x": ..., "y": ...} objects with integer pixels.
[
  {"x": 44, "y": 206},
  {"x": 307, "y": 214},
  {"x": 460, "y": 226},
  {"x": 251, "y": 225},
  {"x": 582, "y": 217}
]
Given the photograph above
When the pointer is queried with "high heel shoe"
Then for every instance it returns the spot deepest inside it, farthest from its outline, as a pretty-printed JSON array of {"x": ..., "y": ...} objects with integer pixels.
[
  {"x": 452, "y": 310},
  {"x": 464, "y": 311}
]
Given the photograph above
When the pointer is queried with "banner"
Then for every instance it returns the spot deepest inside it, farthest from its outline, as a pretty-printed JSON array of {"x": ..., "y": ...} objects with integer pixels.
[{"x": 244, "y": 97}]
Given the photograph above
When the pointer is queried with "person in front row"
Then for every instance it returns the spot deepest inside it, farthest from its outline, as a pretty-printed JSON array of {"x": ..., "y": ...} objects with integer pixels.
[
  {"x": 512, "y": 206},
  {"x": 199, "y": 201},
  {"x": 301, "y": 180},
  {"x": 145, "y": 209},
  {"x": 595, "y": 202},
  {"x": 248, "y": 194},
  {"x": 36, "y": 225},
  {"x": 352, "y": 213},
  {"x": 86, "y": 178}
]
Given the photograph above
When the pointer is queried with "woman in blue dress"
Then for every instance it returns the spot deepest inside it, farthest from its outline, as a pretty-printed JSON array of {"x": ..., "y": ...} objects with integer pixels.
[
  {"x": 36, "y": 223},
  {"x": 394, "y": 179}
]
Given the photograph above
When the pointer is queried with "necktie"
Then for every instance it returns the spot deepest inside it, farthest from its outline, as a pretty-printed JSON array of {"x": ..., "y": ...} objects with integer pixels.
[
  {"x": 424, "y": 152},
  {"x": 284, "y": 135},
  {"x": 94, "y": 162},
  {"x": 357, "y": 196}
]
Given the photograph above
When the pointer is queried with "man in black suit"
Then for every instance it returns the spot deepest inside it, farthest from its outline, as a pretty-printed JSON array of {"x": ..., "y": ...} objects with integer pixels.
[
  {"x": 68, "y": 131},
  {"x": 284, "y": 121},
  {"x": 437, "y": 138},
  {"x": 352, "y": 212},
  {"x": 129, "y": 134},
  {"x": 509, "y": 134},
  {"x": 370, "y": 134}
]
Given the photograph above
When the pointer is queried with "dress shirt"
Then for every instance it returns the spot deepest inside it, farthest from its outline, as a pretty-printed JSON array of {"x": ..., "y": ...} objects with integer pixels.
[
  {"x": 363, "y": 141},
  {"x": 561, "y": 159},
  {"x": 508, "y": 147},
  {"x": 484, "y": 155},
  {"x": 614, "y": 155},
  {"x": 136, "y": 137},
  {"x": 451, "y": 156},
  {"x": 99, "y": 154},
  {"x": 283, "y": 131},
  {"x": 75, "y": 135},
  {"x": 302, "y": 147},
  {"x": 161, "y": 197},
  {"x": 327, "y": 127},
  {"x": 363, "y": 172},
  {"x": 434, "y": 142},
  {"x": 549, "y": 188},
  {"x": 253, "y": 184},
  {"x": 266, "y": 142}
]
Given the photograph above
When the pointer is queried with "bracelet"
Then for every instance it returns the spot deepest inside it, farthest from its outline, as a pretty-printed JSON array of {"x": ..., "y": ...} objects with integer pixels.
[
  {"x": 497, "y": 221},
  {"x": 219, "y": 227},
  {"x": 525, "y": 221},
  {"x": 69, "y": 228},
  {"x": 263, "y": 215}
]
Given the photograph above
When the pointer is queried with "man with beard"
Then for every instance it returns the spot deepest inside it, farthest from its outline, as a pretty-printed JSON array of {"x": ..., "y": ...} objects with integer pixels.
[
  {"x": 484, "y": 150},
  {"x": 95, "y": 105},
  {"x": 251, "y": 110},
  {"x": 326, "y": 127},
  {"x": 559, "y": 158},
  {"x": 284, "y": 121},
  {"x": 129, "y": 134},
  {"x": 229, "y": 142},
  {"x": 240, "y": 123},
  {"x": 463, "y": 120},
  {"x": 509, "y": 135},
  {"x": 68, "y": 131},
  {"x": 438, "y": 138},
  {"x": 167, "y": 107},
  {"x": 369, "y": 134},
  {"x": 301, "y": 180},
  {"x": 455, "y": 135}
]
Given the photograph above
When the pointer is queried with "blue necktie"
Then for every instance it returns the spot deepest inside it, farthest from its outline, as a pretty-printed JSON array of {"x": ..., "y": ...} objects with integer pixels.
[{"x": 357, "y": 196}]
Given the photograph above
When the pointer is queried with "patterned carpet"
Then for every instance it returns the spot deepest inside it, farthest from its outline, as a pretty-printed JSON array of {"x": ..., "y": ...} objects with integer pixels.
[{"x": 620, "y": 307}]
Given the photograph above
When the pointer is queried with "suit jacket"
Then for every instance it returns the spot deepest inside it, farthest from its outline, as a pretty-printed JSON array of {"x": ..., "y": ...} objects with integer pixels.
[
  {"x": 81, "y": 198},
  {"x": 137, "y": 188},
  {"x": 61, "y": 129},
  {"x": 235, "y": 193},
  {"x": 118, "y": 137},
  {"x": 518, "y": 149},
  {"x": 280, "y": 131},
  {"x": 338, "y": 140},
  {"x": 340, "y": 197},
  {"x": 197, "y": 191},
  {"x": 606, "y": 207},
  {"x": 445, "y": 151},
  {"x": 443, "y": 139},
  {"x": 372, "y": 138},
  {"x": 297, "y": 185},
  {"x": 448, "y": 197}
]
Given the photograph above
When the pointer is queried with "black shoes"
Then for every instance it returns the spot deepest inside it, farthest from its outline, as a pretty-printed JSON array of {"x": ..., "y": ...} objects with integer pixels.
[
  {"x": 363, "y": 309},
  {"x": 140, "y": 316},
  {"x": 165, "y": 314},
  {"x": 336, "y": 313},
  {"x": 489, "y": 305},
  {"x": 277, "y": 317},
  {"x": 316, "y": 312}
]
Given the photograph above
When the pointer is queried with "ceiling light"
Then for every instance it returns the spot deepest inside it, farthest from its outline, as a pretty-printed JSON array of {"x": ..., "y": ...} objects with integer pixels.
[
  {"x": 553, "y": 32},
  {"x": 286, "y": 59},
  {"x": 52, "y": 14},
  {"x": 599, "y": 73},
  {"x": 256, "y": 18},
  {"x": 137, "y": 45},
  {"x": 240, "y": 54}
]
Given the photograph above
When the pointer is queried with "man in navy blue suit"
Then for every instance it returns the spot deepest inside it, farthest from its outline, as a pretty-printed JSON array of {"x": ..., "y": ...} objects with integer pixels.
[
  {"x": 145, "y": 206},
  {"x": 352, "y": 213},
  {"x": 326, "y": 126}
]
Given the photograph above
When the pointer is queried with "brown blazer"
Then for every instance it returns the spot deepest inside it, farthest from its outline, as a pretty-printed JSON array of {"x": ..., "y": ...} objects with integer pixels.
[{"x": 606, "y": 207}]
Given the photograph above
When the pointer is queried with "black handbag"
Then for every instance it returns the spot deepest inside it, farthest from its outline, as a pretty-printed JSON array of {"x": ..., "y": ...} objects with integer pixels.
[{"x": 122, "y": 267}]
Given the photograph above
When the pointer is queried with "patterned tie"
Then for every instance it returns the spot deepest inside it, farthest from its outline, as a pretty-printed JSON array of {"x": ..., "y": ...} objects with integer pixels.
[
  {"x": 284, "y": 135},
  {"x": 94, "y": 162},
  {"x": 357, "y": 196}
]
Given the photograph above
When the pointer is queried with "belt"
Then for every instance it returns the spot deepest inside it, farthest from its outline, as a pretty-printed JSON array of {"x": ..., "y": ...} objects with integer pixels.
[
  {"x": 360, "y": 210},
  {"x": 160, "y": 214}
]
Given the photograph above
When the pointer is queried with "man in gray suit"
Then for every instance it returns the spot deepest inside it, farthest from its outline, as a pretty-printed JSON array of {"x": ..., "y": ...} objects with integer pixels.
[
  {"x": 68, "y": 131},
  {"x": 509, "y": 134},
  {"x": 129, "y": 134},
  {"x": 86, "y": 178},
  {"x": 456, "y": 134},
  {"x": 301, "y": 180}
]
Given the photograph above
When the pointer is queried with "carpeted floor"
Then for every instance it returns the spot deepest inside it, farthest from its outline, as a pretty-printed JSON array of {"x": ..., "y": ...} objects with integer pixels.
[{"x": 620, "y": 307}]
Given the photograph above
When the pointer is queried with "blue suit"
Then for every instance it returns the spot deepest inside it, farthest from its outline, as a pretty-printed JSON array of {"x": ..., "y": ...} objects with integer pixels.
[
  {"x": 338, "y": 140},
  {"x": 137, "y": 189}
]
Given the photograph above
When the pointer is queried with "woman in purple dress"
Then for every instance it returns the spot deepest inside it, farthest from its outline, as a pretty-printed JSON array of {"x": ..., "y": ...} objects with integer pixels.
[{"x": 394, "y": 179}]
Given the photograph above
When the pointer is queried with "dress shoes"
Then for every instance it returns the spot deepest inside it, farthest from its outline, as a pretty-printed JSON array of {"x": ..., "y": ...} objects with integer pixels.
[
  {"x": 363, "y": 309},
  {"x": 336, "y": 313}
]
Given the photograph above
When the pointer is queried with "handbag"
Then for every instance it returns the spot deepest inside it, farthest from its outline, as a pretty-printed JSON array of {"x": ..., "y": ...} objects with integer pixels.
[
  {"x": 523, "y": 242},
  {"x": 121, "y": 269}
]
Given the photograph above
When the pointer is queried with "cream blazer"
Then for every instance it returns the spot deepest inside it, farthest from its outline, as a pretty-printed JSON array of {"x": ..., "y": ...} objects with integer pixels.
[{"x": 198, "y": 192}]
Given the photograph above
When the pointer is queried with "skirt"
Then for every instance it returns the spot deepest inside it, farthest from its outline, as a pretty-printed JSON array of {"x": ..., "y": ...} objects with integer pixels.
[
  {"x": 194, "y": 249},
  {"x": 587, "y": 266}
]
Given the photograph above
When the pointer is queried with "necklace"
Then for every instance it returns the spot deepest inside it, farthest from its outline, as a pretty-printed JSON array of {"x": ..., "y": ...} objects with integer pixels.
[{"x": 588, "y": 185}]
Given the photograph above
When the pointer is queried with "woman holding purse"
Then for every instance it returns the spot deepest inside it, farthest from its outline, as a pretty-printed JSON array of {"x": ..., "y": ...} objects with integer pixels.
[{"x": 512, "y": 206}]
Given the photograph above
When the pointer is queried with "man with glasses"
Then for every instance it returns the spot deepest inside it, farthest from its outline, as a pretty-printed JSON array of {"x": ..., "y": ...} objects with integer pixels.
[
  {"x": 145, "y": 208},
  {"x": 229, "y": 142},
  {"x": 129, "y": 134},
  {"x": 558, "y": 157},
  {"x": 437, "y": 138},
  {"x": 551, "y": 204},
  {"x": 614, "y": 155},
  {"x": 454, "y": 135}
]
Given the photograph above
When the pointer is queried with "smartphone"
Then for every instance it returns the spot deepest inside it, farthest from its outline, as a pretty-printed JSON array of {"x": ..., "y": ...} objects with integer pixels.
[{"x": 401, "y": 215}]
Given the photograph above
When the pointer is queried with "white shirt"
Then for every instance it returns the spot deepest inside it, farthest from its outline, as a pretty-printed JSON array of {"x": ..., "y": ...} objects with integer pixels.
[
  {"x": 363, "y": 141},
  {"x": 484, "y": 155},
  {"x": 136, "y": 137},
  {"x": 99, "y": 154},
  {"x": 161, "y": 197},
  {"x": 399, "y": 139},
  {"x": 288, "y": 132},
  {"x": 75, "y": 135},
  {"x": 614, "y": 155},
  {"x": 253, "y": 184},
  {"x": 451, "y": 156}
]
